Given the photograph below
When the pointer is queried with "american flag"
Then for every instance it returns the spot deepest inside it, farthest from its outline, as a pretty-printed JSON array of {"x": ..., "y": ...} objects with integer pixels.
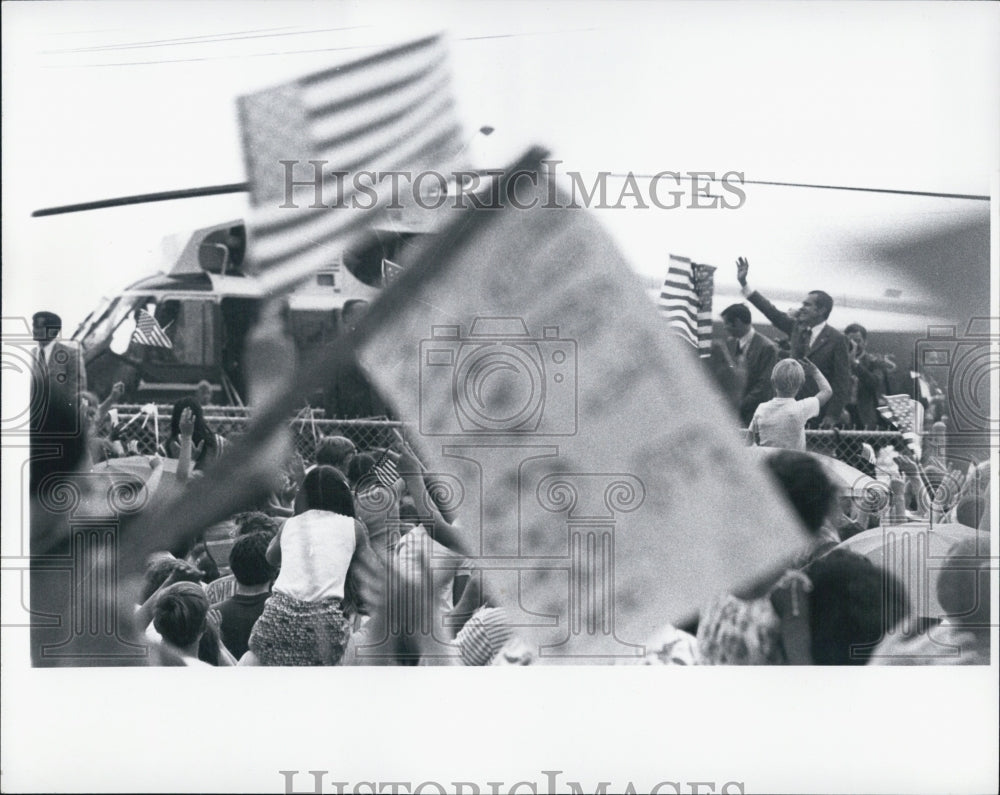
[
  {"x": 385, "y": 470},
  {"x": 686, "y": 302},
  {"x": 389, "y": 111},
  {"x": 148, "y": 331},
  {"x": 907, "y": 416}
]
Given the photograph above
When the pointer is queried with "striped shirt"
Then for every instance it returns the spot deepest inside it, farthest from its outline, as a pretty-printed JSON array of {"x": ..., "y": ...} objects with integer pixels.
[{"x": 483, "y": 635}]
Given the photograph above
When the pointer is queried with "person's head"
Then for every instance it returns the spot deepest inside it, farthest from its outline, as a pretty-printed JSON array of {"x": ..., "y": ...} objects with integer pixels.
[
  {"x": 325, "y": 489},
  {"x": 200, "y": 428},
  {"x": 736, "y": 320},
  {"x": 816, "y": 308},
  {"x": 963, "y": 586},
  {"x": 179, "y": 614},
  {"x": 203, "y": 560},
  {"x": 857, "y": 336},
  {"x": 45, "y": 327},
  {"x": 248, "y": 560},
  {"x": 335, "y": 451},
  {"x": 787, "y": 378},
  {"x": 360, "y": 466},
  {"x": 805, "y": 483},
  {"x": 160, "y": 568},
  {"x": 852, "y": 605},
  {"x": 203, "y": 393},
  {"x": 255, "y": 522}
]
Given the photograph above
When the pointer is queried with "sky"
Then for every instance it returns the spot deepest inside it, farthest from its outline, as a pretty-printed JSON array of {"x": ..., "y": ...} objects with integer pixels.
[{"x": 105, "y": 99}]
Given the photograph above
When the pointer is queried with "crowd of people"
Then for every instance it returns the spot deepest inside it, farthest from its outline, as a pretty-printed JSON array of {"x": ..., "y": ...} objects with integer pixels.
[{"x": 356, "y": 542}]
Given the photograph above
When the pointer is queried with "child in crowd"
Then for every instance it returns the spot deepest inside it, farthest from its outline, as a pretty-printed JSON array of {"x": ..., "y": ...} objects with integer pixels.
[
  {"x": 781, "y": 421},
  {"x": 239, "y": 613}
]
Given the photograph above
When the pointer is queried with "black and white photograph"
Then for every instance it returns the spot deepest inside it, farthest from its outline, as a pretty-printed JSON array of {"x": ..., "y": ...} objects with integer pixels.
[{"x": 578, "y": 341}]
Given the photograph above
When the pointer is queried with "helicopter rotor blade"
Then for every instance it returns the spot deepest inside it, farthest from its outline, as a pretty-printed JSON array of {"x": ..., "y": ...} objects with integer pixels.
[{"x": 145, "y": 198}]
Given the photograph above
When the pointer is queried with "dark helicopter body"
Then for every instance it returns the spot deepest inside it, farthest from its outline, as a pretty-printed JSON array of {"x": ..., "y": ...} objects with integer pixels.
[{"x": 206, "y": 304}]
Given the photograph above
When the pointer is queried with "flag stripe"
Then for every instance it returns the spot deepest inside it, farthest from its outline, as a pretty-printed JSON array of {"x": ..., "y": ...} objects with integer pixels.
[
  {"x": 359, "y": 110},
  {"x": 686, "y": 302},
  {"x": 148, "y": 331},
  {"x": 306, "y": 228},
  {"x": 341, "y": 130},
  {"x": 391, "y": 110},
  {"x": 363, "y": 64},
  {"x": 422, "y": 136}
]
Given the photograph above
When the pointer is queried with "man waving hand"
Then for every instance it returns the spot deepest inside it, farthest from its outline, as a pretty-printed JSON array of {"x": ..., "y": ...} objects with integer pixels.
[{"x": 812, "y": 338}]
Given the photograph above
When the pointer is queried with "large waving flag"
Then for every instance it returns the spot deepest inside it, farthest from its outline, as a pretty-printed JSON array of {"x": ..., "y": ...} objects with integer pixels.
[
  {"x": 389, "y": 111},
  {"x": 686, "y": 302}
]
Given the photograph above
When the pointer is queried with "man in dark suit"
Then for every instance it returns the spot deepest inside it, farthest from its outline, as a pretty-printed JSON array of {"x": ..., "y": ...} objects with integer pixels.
[
  {"x": 869, "y": 375},
  {"x": 813, "y": 338},
  {"x": 59, "y": 376},
  {"x": 753, "y": 357}
]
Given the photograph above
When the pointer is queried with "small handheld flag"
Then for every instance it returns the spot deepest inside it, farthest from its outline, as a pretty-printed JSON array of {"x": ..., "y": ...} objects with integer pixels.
[
  {"x": 148, "y": 331},
  {"x": 385, "y": 470}
]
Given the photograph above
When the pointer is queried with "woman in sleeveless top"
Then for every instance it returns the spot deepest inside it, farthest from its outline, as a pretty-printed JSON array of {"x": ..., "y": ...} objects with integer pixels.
[{"x": 303, "y": 622}]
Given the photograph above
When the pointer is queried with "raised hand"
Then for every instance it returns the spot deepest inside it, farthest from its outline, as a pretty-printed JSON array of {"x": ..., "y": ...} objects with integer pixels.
[
  {"x": 117, "y": 391},
  {"x": 742, "y": 268},
  {"x": 186, "y": 423}
]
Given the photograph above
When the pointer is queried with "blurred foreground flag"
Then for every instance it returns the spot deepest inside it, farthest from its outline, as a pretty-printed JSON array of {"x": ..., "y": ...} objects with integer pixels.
[
  {"x": 596, "y": 477},
  {"x": 686, "y": 302},
  {"x": 315, "y": 149}
]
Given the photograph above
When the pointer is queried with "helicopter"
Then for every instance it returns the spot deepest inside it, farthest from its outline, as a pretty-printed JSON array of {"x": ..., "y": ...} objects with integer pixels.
[{"x": 209, "y": 300}]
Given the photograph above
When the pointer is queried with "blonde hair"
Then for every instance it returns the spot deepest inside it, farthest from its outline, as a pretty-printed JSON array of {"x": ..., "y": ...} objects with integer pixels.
[{"x": 787, "y": 377}]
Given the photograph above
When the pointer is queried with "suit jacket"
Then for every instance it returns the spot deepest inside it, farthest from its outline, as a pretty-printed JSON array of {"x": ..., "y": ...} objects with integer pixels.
[
  {"x": 58, "y": 384},
  {"x": 828, "y": 352},
  {"x": 871, "y": 387},
  {"x": 756, "y": 364}
]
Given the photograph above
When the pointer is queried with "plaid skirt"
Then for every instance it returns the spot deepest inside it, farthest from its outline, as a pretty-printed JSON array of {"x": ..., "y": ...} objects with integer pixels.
[{"x": 292, "y": 632}]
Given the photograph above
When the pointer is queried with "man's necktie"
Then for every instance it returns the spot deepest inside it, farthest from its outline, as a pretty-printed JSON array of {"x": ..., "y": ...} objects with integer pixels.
[{"x": 800, "y": 341}]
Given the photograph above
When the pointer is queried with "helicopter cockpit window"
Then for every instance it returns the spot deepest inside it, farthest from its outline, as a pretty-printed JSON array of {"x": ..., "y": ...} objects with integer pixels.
[
  {"x": 191, "y": 328},
  {"x": 109, "y": 321}
]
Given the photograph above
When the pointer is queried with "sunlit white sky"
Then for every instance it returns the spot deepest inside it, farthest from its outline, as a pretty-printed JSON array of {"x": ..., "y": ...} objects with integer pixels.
[{"x": 108, "y": 99}]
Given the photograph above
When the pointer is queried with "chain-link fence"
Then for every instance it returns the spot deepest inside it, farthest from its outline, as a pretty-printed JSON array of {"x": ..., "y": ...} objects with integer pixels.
[
  {"x": 149, "y": 431},
  {"x": 145, "y": 431}
]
